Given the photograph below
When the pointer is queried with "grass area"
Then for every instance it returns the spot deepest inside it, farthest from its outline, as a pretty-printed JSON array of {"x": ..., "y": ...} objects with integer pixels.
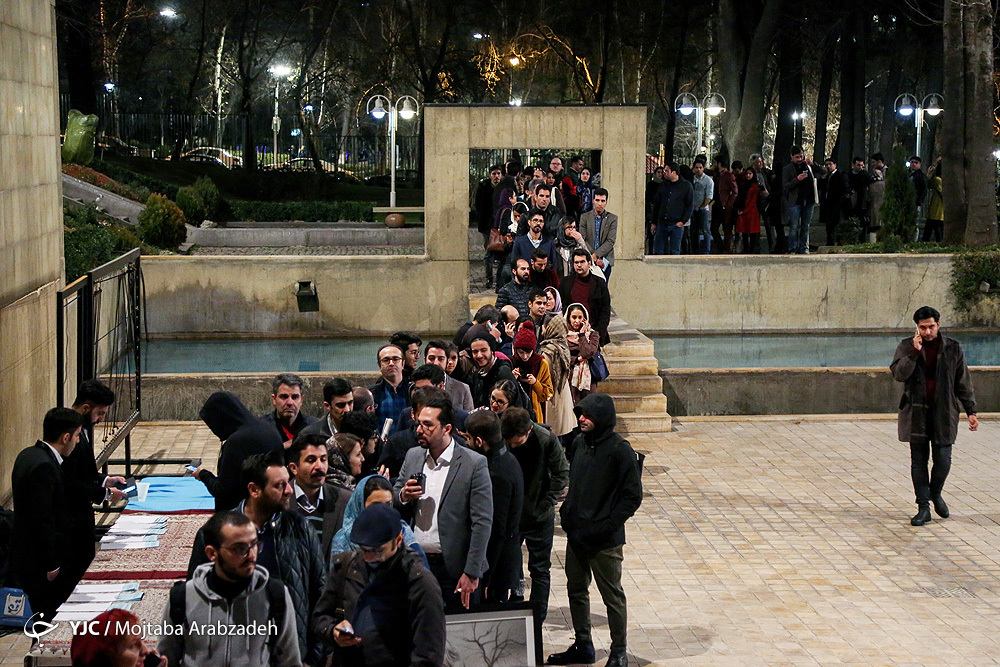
[{"x": 264, "y": 185}]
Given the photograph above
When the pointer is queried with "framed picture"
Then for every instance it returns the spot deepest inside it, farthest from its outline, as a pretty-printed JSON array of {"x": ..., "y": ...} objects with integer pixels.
[{"x": 494, "y": 636}]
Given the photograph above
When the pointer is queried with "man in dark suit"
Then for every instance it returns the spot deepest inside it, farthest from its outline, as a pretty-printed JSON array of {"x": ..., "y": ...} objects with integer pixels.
[
  {"x": 504, "y": 549},
  {"x": 599, "y": 229},
  {"x": 452, "y": 511},
  {"x": 85, "y": 485},
  {"x": 833, "y": 192},
  {"x": 591, "y": 291},
  {"x": 42, "y": 527}
]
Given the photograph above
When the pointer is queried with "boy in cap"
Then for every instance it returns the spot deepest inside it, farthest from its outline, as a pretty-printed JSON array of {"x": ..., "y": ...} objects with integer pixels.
[{"x": 381, "y": 605}]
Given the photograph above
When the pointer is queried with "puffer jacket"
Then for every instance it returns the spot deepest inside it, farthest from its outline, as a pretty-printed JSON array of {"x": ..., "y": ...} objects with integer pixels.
[
  {"x": 300, "y": 567},
  {"x": 207, "y": 608},
  {"x": 604, "y": 485}
]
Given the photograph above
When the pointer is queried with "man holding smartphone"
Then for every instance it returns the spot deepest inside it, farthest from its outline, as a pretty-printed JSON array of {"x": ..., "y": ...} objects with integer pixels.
[{"x": 935, "y": 380}]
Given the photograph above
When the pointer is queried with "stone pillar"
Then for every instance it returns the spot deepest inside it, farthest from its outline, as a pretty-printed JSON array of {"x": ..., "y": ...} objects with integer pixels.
[{"x": 31, "y": 238}]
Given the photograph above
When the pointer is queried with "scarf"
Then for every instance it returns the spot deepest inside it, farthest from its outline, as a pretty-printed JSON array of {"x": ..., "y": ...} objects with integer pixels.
[
  {"x": 579, "y": 376},
  {"x": 555, "y": 348}
]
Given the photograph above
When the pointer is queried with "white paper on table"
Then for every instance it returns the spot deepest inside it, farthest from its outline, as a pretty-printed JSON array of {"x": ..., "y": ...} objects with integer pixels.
[
  {"x": 114, "y": 545},
  {"x": 129, "y": 538},
  {"x": 88, "y": 587},
  {"x": 94, "y": 607},
  {"x": 136, "y": 531},
  {"x": 137, "y": 520},
  {"x": 74, "y": 616},
  {"x": 109, "y": 596}
]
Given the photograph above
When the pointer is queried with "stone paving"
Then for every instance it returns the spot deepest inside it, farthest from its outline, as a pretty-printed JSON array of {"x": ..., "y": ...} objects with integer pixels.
[{"x": 780, "y": 541}]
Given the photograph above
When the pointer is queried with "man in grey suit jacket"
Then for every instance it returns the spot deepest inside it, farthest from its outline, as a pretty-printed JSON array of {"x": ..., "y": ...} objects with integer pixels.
[
  {"x": 599, "y": 229},
  {"x": 449, "y": 503}
]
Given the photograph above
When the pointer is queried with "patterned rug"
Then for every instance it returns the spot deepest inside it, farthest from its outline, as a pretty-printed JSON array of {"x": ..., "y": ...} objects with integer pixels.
[
  {"x": 54, "y": 647},
  {"x": 169, "y": 560}
]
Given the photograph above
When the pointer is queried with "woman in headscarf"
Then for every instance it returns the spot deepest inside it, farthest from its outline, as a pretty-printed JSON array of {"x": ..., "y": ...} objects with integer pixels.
[
  {"x": 567, "y": 240},
  {"x": 553, "y": 301},
  {"x": 345, "y": 459},
  {"x": 748, "y": 217},
  {"x": 585, "y": 191},
  {"x": 370, "y": 490},
  {"x": 531, "y": 370},
  {"x": 554, "y": 348},
  {"x": 584, "y": 343}
]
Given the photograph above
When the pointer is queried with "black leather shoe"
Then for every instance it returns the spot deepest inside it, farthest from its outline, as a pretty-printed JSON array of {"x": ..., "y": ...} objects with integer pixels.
[
  {"x": 577, "y": 654},
  {"x": 922, "y": 517},
  {"x": 940, "y": 507},
  {"x": 617, "y": 660}
]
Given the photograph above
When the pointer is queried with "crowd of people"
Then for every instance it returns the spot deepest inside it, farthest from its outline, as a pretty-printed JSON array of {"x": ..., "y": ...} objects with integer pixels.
[
  {"x": 723, "y": 208},
  {"x": 349, "y": 535},
  {"x": 521, "y": 211}
]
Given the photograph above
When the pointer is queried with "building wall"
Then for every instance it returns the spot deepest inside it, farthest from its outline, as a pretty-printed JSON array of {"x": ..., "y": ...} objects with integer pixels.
[{"x": 31, "y": 255}]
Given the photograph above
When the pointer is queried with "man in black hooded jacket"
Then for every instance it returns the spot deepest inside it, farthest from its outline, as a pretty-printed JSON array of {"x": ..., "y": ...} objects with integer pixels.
[
  {"x": 242, "y": 434},
  {"x": 605, "y": 490}
]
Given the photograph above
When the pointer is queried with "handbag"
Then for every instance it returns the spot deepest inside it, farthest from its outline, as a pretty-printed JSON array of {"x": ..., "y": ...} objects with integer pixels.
[
  {"x": 496, "y": 242},
  {"x": 598, "y": 368}
]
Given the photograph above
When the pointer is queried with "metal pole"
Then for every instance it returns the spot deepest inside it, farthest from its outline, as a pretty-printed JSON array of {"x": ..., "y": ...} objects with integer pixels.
[
  {"x": 275, "y": 122},
  {"x": 393, "y": 113},
  {"x": 701, "y": 129},
  {"x": 919, "y": 118}
]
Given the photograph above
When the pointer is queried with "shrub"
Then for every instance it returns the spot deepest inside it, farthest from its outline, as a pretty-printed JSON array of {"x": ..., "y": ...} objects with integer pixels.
[
  {"x": 209, "y": 196},
  {"x": 307, "y": 211},
  {"x": 88, "y": 242},
  {"x": 849, "y": 231},
  {"x": 899, "y": 209},
  {"x": 136, "y": 180},
  {"x": 191, "y": 203},
  {"x": 970, "y": 270},
  {"x": 162, "y": 223}
]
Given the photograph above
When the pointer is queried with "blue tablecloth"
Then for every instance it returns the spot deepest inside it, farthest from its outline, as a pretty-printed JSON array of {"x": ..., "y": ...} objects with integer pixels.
[{"x": 173, "y": 494}]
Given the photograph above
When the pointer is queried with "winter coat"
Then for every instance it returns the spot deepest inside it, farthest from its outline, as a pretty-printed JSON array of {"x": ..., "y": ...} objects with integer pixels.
[
  {"x": 243, "y": 434},
  {"x": 954, "y": 386},
  {"x": 301, "y": 568},
  {"x": 546, "y": 471},
  {"x": 397, "y": 611},
  {"x": 207, "y": 608},
  {"x": 604, "y": 485},
  {"x": 503, "y": 551},
  {"x": 355, "y": 506}
]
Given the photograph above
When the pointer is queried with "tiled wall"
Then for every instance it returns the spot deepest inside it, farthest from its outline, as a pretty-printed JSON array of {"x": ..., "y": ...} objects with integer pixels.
[{"x": 31, "y": 253}]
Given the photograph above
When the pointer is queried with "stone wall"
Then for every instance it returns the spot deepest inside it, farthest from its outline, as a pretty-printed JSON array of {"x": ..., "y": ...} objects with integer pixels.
[
  {"x": 30, "y": 221},
  {"x": 206, "y": 294}
]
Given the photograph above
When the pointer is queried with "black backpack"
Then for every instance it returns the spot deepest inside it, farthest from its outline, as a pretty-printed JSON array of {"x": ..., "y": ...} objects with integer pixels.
[{"x": 275, "y": 606}]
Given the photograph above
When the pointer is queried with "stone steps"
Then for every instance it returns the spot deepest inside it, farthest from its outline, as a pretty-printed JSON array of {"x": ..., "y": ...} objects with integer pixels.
[{"x": 634, "y": 383}]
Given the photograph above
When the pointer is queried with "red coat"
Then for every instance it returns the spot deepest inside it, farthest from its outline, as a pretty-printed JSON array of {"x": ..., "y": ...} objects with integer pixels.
[{"x": 749, "y": 219}]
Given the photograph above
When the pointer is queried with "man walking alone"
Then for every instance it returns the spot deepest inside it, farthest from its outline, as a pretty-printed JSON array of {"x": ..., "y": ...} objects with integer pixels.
[{"x": 935, "y": 379}]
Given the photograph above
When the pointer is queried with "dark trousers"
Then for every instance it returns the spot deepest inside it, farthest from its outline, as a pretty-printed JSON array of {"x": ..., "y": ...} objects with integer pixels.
[
  {"x": 926, "y": 487},
  {"x": 452, "y": 600},
  {"x": 605, "y": 567},
  {"x": 539, "y": 542},
  {"x": 933, "y": 230},
  {"x": 723, "y": 218}
]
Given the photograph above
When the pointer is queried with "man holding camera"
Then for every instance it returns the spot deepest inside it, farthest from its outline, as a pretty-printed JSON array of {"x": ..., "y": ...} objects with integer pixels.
[{"x": 446, "y": 493}]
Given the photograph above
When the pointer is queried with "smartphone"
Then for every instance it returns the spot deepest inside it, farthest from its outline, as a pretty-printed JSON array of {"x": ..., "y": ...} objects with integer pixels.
[
  {"x": 385, "y": 428},
  {"x": 418, "y": 477},
  {"x": 191, "y": 468},
  {"x": 347, "y": 632}
]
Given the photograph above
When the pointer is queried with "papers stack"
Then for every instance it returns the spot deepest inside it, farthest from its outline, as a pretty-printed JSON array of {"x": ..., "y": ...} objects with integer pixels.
[
  {"x": 134, "y": 532},
  {"x": 88, "y": 600}
]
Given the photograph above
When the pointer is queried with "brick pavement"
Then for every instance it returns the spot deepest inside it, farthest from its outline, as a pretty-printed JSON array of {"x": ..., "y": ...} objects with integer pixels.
[{"x": 774, "y": 541}]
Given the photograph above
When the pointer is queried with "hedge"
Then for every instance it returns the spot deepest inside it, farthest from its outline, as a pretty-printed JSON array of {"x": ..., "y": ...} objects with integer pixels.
[{"x": 306, "y": 211}]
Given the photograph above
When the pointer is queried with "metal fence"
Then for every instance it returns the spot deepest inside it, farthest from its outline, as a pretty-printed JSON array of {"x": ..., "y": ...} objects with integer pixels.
[{"x": 364, "y": 155}]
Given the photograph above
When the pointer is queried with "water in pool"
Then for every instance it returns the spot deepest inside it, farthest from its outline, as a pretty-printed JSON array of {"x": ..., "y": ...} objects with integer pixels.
[
  {"x": 674, "y": 351},
  {"x": 751, "y": 350}
]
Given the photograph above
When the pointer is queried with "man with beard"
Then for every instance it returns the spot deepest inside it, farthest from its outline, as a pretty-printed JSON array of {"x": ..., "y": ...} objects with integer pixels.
[
  {"x": 525, "y": 246},
  {"x": 515, "y": 293},
  {"x": 392, "y": 392},
  {"x": 541, "y": 272},
  {"x": 286, "y": 546},
  {"x": 583, "y": 287},
  {"x": 229, "y": 589},
  {"x": 605, "y": 490},
  {"x": 338, "y": 399},
  {"x": 445, "y": 492},
  {"x": 319, "y": 502},
  {"x": 287, "y": 416},
  {"x": 381, "y": 607},
  {"x": 488, "y": 370}
]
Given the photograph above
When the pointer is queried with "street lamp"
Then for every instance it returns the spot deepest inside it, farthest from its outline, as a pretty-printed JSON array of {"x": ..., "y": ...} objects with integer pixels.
[
  {"x": 799, "y": 117},
  {"x": 168, "y": 13},
  {"x": 906, "y": 105},
  {"x": 279, "y": 72},
  {"x": 406, "y": 107},
  {"x": 707, "y": 108}
]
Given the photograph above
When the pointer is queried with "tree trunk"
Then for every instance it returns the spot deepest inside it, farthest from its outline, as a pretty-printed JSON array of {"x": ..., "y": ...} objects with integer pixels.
[
  {"x": 967, "y": 124},
  {"x": 249, "y": 140},
  {"x": 823, "y": 102},
  {"x": 894, "y": 80},
  {"x": 743, "y": 73},
  {"x": 789, "y": 93},
  {"x": 852, "y": 91},
  {"x": 675, "y": 85}
]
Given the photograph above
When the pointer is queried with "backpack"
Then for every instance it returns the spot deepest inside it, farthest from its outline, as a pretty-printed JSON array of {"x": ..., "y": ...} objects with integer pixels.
[{"x": 276, "y": 607}]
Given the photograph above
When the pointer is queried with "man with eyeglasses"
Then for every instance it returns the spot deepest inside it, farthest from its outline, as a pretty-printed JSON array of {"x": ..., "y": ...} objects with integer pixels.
[
  {"x": 230, "y": 591},
  {"x": 287, "y": 548},
  {"x": 380, "y": 605},
  {"x": 391, "y": 393}
]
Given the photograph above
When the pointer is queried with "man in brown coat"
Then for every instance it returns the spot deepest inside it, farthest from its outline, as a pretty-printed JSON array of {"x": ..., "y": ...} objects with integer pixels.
[{"x": 935, "y": 379}]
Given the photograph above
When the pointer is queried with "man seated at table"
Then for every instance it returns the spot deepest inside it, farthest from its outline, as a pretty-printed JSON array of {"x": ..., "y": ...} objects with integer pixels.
[
  {"x": 338, "y": 399},
  {"x": 320, "y": 502},
  {"x": 286, "y": 546},
  {"x": 287, "y": 416},
  {"x": 231, "y": 590}
]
